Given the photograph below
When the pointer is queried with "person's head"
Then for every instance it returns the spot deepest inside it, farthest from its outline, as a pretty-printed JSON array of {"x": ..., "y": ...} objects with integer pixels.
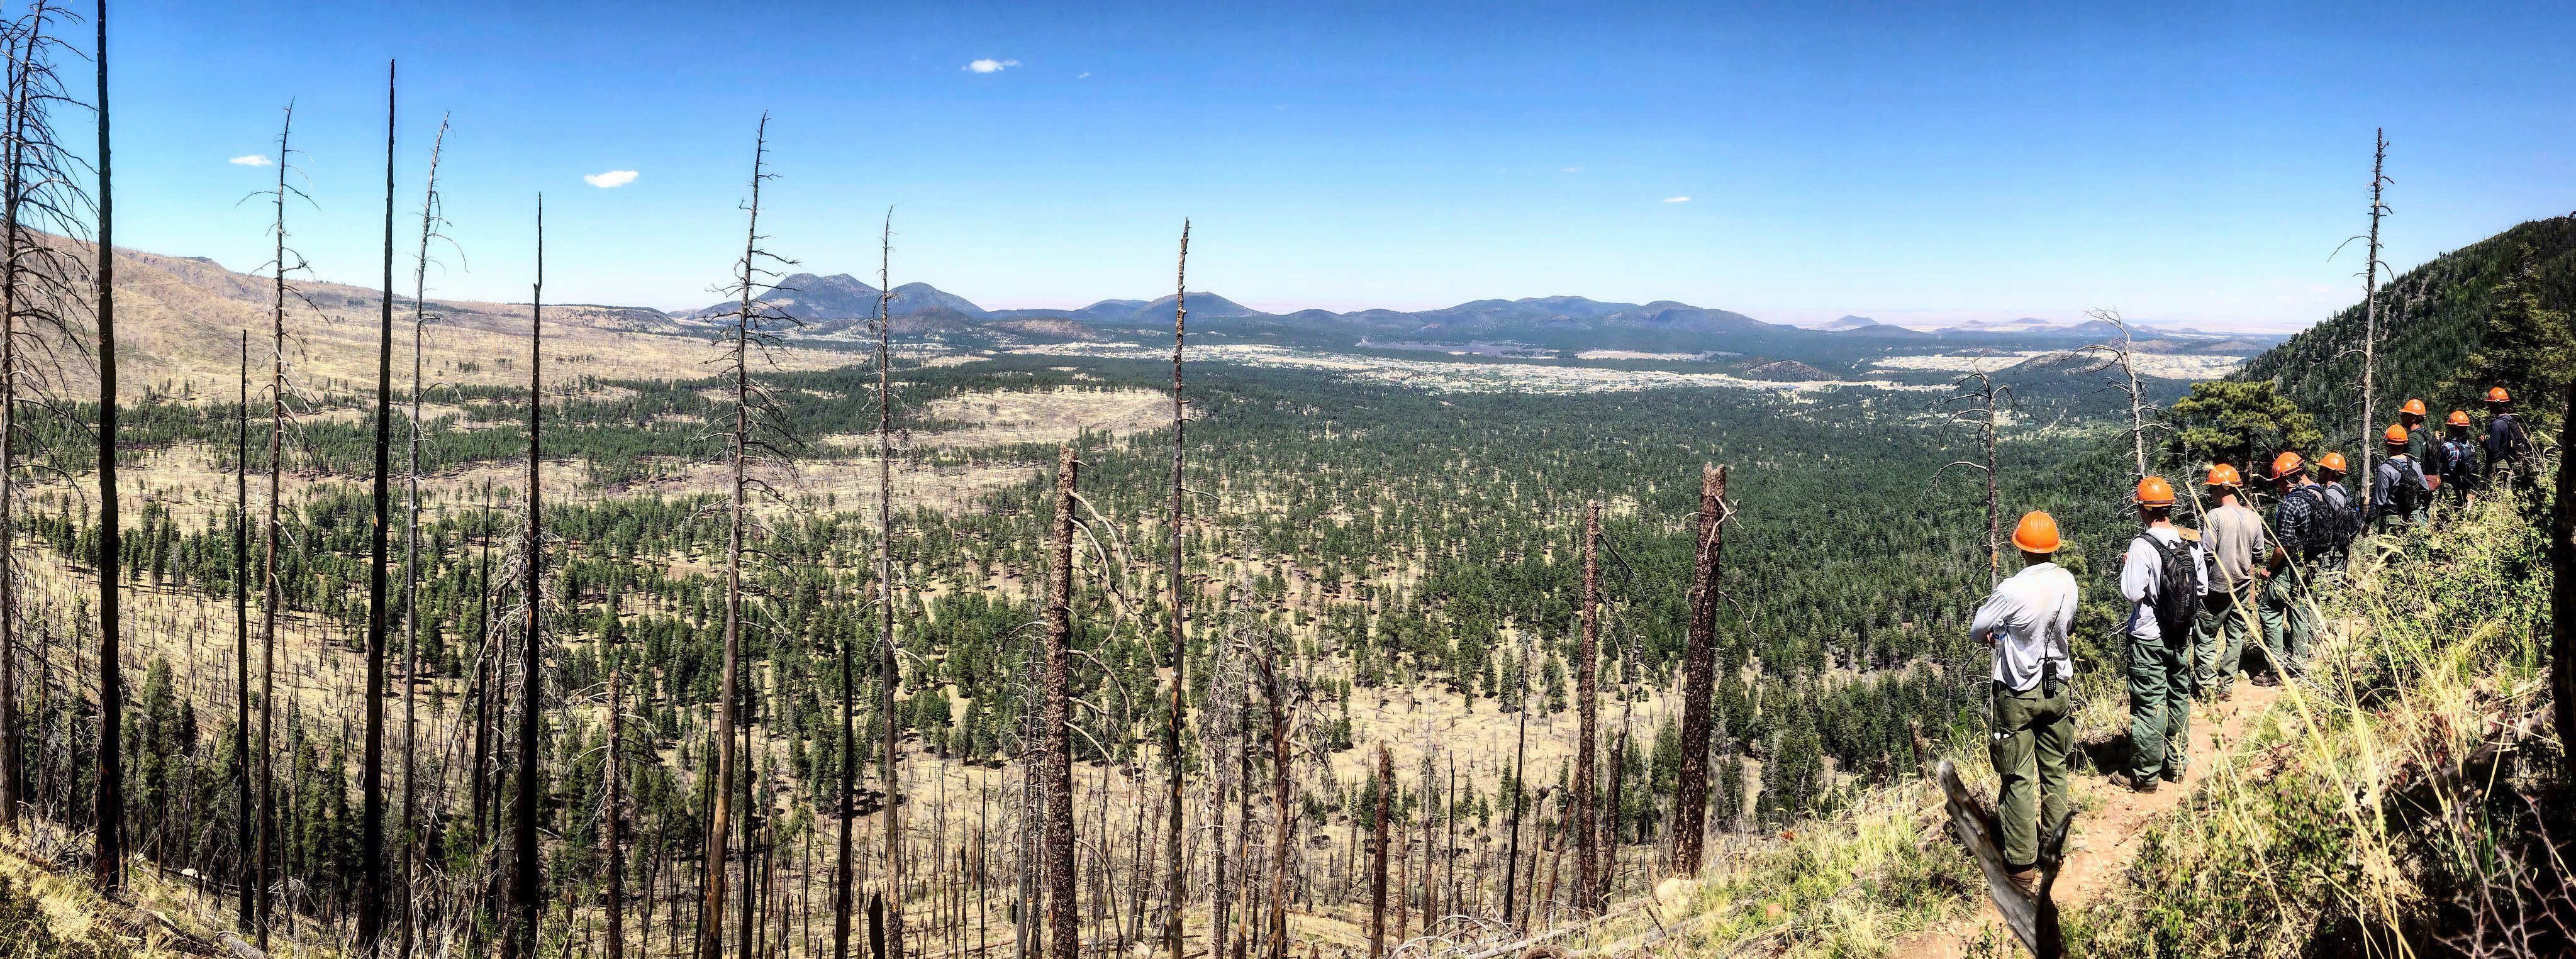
[
  {"x": 2289, "y": 469},
  {"x": 2457, "y": 423},
  {"x": 2036, "y": 537},
  {"x": 2224, "y": 482},
  {"x": 2411, "y": 413},
  {"x": 2396, "y": 438},
  {"x": 2155, "y": 499},
  {"x": 2498, "y": 400},
  {"x": 2331, "y": 466}
]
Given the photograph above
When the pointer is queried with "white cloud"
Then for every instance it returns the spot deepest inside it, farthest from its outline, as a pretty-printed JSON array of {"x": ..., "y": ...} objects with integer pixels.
[
  {"x": 1573, "y": 169},
  {"x": 1676, "y": 199},
  {"x": 252, "y": 160},
  {"x": 1084, "y": 75},
  {"x": 992, "y": 66},
  {"x": 612, "y": 178}
]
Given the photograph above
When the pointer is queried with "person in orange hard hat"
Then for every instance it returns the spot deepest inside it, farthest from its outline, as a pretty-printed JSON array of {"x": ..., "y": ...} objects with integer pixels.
[
  {"x": 2163, "y": 578},
  {"x": 2302, "y": 529},
  {"x": 2343, "y": 518},
  {"x": 2026, "y": 622},
  {"x": 2233, "y": 537},
  {"x": 2455, "y": 460},
  {"x": 2508, "y": 444},
  {"x": 2400, "y": 494},
  {"x": 2419, "y": 442}
]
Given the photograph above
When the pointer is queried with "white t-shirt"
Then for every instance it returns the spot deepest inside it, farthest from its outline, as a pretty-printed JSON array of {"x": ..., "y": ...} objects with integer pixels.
[
  {"x": 2139, "y": 574},
  {"x": 2029, "y": 617}
]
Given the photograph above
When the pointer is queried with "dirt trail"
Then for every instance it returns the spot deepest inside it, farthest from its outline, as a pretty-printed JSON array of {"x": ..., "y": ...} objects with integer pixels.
[{"x": 2111, "y": 824}]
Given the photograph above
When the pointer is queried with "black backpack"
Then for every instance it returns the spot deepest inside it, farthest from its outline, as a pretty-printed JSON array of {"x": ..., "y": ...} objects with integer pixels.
[
  {"x": 2410, "y": 487},
  {"x": 2177, "y": 599}
]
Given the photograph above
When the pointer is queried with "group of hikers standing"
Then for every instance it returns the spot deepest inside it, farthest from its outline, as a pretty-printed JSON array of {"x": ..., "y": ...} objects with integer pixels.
[{"x": 2206, "y": 604}]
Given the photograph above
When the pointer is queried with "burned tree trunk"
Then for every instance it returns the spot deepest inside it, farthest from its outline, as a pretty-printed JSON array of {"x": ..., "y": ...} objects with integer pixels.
[
  {"x": 1699, "y": 662},
  {"x": 411, "y": 560},
  {"x": 23, "y": 54},
  {"x": 614, "y": 891},
  {"x": 1174, "y": 869},
  {"x": 371, "y": 768},
  {"x": 246, "y": 875},
  {"x": 110, "y": 807},
  {"x": 1377, "y": 869},
  {"x": 2370, "y": 301},
  {"x": 272, "y": 597},
  {"x": 2562, "y": 590},
  {"x": 887, "y": 673},
  {"x": 522, "y": 940},
  {"x": 720, "y": 795},
  {"x": 1587, "y": 708},
  {"x": 1064, "y": 933},
  {"x": 1286, "y": 819}
]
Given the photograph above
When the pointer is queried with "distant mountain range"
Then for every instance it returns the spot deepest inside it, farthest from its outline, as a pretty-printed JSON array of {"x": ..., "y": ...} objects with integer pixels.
[
  {"x": 841, "y": 303},
  {"x": 828, "y": 304},
  {"x": 2025, "y": 326}
]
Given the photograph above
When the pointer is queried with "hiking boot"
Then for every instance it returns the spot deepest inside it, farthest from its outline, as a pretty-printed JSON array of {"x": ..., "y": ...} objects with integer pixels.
[
  {"x": 2123, "y": 780},
  {"x": 2268, "y": 679},
  {"x": 2024, "y": 880},
  {"x": 2173, "y": 775}
]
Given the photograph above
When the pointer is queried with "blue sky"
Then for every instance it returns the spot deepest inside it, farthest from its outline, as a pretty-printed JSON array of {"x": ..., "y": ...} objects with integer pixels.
[{"x": 2195, "y": 163}]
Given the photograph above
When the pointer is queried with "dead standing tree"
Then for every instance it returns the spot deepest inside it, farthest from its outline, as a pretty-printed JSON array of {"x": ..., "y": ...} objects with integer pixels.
[
  {"x": 1064, "y": 934},
  {"x": 41, "y": 293},
  {"x": 430, "y": 220},
  {"x": 1378, "y": 841},
  {"x": 887, "y": 672},
  {"x": 613, "y": 892},
  {"x": 522, "y": 939},
  {"x": 2370, "y": 301},
  {"x": 1175, "y": 869},
  {"x": 109, "y": 817},
  {"x": 1699, "y": 668},
  {"x": 1984, "y": 412},
  {"x": 371, "y": 791},
  {"x": 1587, "y": 655},
  {"x": 271, "y": 586},
  {"x": 747, "y": 335},
  {"x": 2129, "y": 384}
]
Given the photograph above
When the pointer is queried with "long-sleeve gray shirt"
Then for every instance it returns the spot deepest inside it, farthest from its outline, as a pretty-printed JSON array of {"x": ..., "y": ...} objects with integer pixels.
[
  {"x": 2138, "y": 577},
  {"x": 2028, "y": 618}
]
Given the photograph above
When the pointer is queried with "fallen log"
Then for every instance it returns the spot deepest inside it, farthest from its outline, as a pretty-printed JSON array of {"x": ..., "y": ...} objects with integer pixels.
[{"x": 2032, "y": 918}]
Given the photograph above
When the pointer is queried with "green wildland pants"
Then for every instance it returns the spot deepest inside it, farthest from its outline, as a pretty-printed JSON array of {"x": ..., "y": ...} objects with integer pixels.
[
  {"x": 2227, "y": 620},
  {"x": 2033, "y": 734},
  {"x": 2288, "y": 627},
  {"x": 2159, "y": 706}
]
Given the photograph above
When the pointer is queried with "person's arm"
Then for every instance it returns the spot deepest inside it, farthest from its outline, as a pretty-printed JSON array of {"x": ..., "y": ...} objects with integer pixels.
[
  {"x": 1991, "y": 618},
  {"x": 2138, "y": 573}
]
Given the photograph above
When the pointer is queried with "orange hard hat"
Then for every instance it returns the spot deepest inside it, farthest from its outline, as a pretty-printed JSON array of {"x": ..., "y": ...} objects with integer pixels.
[
  {"x": 2457, "y": 418},
  {"x": 2154, "y": 491},
  {"x": 2036, "y": 533},
  {"x": 2287, "y": 463},
  {"x": 2396, "y": 434},
  {"x": 2221, "y": 474},
  {"x": 2333, "y": 461},
  {"x": 2412, "y": 407},
  {"x": 2496, "y": 394}
]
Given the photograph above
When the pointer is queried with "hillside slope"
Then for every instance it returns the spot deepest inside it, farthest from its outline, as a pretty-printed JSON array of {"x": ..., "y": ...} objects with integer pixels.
[
  {"x": 181, "y": 321},
  {"x": 2433, "y": 319}
]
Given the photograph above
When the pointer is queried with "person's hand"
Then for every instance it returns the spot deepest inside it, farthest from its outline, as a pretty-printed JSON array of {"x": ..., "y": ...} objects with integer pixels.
[{"x": 2265, "y": 573}]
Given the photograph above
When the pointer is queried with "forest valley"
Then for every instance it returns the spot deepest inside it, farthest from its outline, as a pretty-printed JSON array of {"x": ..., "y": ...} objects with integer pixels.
[{"x": 740, "y": 643}]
